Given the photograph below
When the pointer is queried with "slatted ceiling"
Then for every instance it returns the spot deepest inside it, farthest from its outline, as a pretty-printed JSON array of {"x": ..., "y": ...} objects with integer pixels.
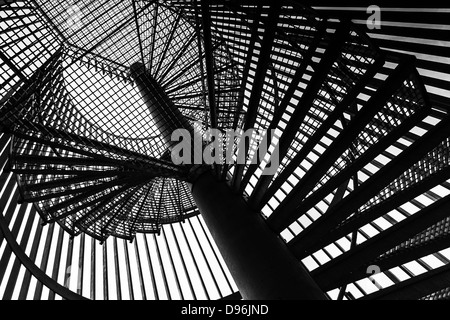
[
  {"x": 80, "y": 252},
  {"x": 404, "y": 29},
  {"x": 386, "y": 153},
  {"x": 308, "y": 161},
  {"x": 419, "y": 261}
]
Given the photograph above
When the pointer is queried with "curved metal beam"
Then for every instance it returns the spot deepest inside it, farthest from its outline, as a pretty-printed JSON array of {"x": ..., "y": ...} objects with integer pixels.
[{"x": 33, "y": 268}]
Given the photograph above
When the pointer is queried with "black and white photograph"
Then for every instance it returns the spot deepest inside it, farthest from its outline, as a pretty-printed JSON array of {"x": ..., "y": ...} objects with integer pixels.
[{"x": 226, "y": 159}]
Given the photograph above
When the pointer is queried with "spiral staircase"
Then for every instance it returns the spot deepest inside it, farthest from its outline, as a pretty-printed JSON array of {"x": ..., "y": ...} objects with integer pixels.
[{"x": 358, "y": 138}]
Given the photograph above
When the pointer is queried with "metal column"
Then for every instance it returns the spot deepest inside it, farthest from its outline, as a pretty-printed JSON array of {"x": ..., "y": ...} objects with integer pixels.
[
  {"x": 259, "y": 261},
  {"x": 166, "y": 115}
]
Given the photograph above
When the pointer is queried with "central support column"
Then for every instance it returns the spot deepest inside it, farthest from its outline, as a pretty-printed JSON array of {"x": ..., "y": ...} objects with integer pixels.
[
  {"x": 259, "y": 261},
  {"x": 166, "y": 115}
]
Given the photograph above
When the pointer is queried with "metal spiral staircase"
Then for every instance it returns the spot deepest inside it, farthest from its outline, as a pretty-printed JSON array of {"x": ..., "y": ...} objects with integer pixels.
[{"x": 89, "y": 155}]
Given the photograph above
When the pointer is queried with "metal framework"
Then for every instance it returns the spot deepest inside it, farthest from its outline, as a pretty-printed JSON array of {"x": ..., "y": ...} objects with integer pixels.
[{"x": 361, "y": 127}]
